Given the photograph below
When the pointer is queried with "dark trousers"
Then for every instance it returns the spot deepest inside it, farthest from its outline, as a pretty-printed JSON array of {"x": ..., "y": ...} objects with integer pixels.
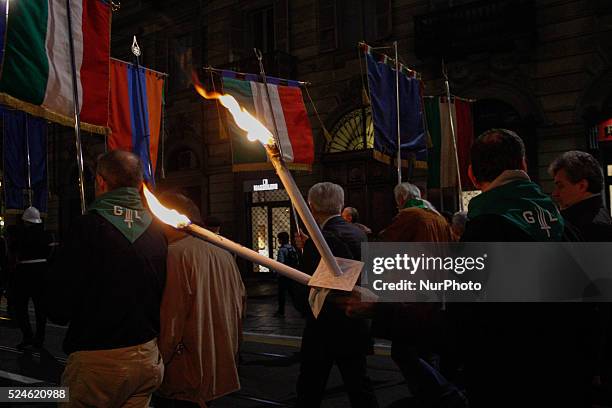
[
  {"x": 314, "y": 373},
  {"x": 160, "y": 402},
  {"x": 283, "y": 288},
  {"x": 3, "y": 281},
  {"x": 29, "y": 284},
  {"x": 535, "y": 370},
  {"x": 526, "y": 382},
  {"x": 426, "y": 383}
]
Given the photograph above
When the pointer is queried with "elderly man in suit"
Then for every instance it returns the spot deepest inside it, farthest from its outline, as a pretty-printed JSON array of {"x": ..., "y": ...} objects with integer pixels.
[{"x": 333, "y": 337}]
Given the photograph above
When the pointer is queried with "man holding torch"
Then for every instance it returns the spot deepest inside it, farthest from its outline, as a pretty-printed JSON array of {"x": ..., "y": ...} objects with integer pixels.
[
  {"x": 333, "y": 338},
  {"x": 108, "y": 286}
]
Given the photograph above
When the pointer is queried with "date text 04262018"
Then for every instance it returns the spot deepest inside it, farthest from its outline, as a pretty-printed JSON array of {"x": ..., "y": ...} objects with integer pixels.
[{"x": 34, "y": 394}]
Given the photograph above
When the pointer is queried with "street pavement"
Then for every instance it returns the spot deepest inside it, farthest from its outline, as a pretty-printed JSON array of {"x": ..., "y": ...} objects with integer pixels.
[{"x": 268, "y": 370}]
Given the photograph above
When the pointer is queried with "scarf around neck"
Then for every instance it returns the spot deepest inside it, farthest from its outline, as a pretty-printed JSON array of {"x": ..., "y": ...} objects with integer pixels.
[
  {"x": 415, "y": 203},
  {"x": 123, "y": 208},
  {"x": 520, "y": 201}
]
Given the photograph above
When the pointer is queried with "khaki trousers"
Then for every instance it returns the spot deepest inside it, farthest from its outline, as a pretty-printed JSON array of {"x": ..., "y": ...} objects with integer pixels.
[{"x": 123, "y": 377}]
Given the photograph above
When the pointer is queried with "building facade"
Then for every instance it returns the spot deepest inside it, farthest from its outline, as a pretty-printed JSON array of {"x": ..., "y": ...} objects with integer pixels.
[{"x": 540, "y": 67}]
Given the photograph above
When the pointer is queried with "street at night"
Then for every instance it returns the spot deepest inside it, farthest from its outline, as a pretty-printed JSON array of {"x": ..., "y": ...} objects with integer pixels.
[
  {"x": 306, "y": 203},
  {"x": 269, "y": 362}
]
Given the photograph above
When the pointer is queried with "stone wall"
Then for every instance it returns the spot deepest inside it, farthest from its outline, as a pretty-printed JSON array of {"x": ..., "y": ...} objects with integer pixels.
[{"x": 551, "y": 84}]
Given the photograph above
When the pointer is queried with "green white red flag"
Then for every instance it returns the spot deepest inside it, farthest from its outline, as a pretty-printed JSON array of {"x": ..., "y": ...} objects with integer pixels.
[
  {"x": 442, "y": 166},
  {"x": 36, "y": 71},
  {"x": 290, "y": 118}
]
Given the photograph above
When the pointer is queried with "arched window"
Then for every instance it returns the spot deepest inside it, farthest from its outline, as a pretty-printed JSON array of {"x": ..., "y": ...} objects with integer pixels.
[{"x": 354, "y": 131}]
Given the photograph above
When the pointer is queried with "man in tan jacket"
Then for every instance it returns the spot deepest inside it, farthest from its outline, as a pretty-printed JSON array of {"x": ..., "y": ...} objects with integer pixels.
[
  {"x": 201, "y": 317},
  {"x": 417, "y": 220}
]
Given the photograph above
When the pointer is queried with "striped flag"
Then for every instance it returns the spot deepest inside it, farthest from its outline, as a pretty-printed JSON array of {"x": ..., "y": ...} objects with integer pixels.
[
  {"x": 442, "y": 167},
  {"x": 290, "y": 116},
  {"x": 36, "y": 72},
  {"x": 136, "y": 103}
]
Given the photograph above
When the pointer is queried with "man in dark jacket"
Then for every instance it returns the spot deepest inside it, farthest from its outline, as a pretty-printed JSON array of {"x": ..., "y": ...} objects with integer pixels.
[
  {"x": 351, "y": 215},
  {"x": 413, "y": 328},
  {"x": 31, "y": 250},
  {"x": 511, "y": 207},
  {"x": 578, "y": 184},
  {"x": 333, "y": 337},
  {"x": 518, "y": 354},
  {"x": 108, "y": 285},
  {"x": 287, "y": 255}
]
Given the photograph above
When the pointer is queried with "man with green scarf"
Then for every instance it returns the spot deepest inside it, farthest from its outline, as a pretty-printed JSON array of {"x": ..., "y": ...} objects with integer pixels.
[
  {"x": 108, "y": 286},
  {"x": 518, "y": 354},
  {"x": 417, "y": 220},
  {"x": 511, "y": 207}
]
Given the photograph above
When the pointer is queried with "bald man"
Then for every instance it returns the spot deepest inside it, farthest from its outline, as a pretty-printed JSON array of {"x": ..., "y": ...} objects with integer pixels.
[{"x": 108, "y": 286}]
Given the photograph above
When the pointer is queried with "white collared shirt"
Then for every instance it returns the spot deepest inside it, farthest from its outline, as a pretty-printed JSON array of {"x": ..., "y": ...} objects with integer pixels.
[{"x": 327, "y": 219}]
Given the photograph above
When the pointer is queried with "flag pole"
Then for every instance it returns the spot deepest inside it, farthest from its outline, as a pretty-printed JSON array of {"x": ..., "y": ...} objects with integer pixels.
[
  {"x": 162, "y": 135},
  {"x": 145, "y": 127},
  {"x": 453, "y": 135},
  {"x": 6, "y": 20},
  {"x": 262, "y": 71},
  {"x": 77, "y": 115},
  {"x": 397, "y": 102},
  {"x": 221, "y": 71},
  {"x": 28, "y": 162}
]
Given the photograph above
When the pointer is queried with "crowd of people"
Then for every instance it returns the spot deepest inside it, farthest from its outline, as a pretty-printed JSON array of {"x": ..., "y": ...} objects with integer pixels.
[
  {"x": 148, "y": 308},
  {"x": 151, "y": 309},
  {"x": 478, "y": 355}
]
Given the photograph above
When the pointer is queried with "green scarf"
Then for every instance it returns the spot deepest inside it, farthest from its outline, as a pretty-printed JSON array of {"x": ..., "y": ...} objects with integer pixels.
[
  {"x": 415, "y": 203},
  {"x": 523, "y": 204},
  {"x": 124, "y": 209}
]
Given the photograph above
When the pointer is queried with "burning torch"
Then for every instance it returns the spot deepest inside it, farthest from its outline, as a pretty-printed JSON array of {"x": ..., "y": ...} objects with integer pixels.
[
  {"x": 256, "y": 131},
  {"x": 182, "y": 223}
]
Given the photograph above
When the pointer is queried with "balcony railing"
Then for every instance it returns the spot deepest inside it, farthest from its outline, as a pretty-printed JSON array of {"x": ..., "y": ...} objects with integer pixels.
[
  {"x": 277, "y": 64},
  {"x": 483, "y": 26}
]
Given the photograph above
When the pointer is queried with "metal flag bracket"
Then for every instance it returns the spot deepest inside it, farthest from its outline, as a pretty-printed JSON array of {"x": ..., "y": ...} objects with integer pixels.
[
  {"x": 135, "y": 47},
  {"x": 137, "y": 53}
]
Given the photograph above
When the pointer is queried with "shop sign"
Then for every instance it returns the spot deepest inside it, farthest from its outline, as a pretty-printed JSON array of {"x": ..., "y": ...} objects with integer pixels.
[{"x": 265, "y": 186}]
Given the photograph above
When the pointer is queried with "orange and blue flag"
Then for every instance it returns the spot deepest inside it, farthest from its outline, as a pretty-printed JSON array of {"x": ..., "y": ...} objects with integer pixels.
[{"x": 136, "y": 104}]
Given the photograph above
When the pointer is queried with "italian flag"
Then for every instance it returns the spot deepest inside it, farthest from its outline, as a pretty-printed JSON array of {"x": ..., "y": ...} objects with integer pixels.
[
  {"x": 442, "y": 167},
  {"x": 290, "y": 116},
  {"x": 36, "y": 71}
]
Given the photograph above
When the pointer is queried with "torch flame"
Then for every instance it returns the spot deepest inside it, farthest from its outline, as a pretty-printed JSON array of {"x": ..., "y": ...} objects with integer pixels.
[
  {"x": 245, "y": 121},
  {"x": 166, "y": 215}
]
